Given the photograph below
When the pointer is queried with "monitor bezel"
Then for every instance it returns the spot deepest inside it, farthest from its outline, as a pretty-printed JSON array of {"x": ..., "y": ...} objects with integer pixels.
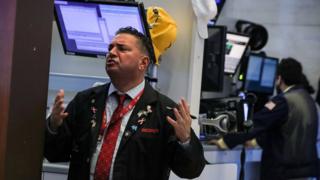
[
  {"x": 263, "y": 59},
  {"x": 142, "y": 13},
  {"x": 243, "y": 54}
]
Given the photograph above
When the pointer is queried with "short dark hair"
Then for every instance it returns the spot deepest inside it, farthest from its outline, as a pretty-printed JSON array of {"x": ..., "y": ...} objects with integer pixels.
[
  {"x": 290, "y": 71},
  {"x": 144, "y": 42}
]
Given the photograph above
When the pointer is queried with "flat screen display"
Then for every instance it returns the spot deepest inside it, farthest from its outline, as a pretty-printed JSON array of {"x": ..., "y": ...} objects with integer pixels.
[
  {"x": 261, "y": 74},
  {"x": 213, "y": 59},
  {"x": 86, "y": 28},
  {"x": 236, "y": 46}
]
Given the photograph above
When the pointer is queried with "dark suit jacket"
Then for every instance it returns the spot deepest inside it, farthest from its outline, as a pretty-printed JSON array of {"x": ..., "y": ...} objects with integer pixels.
[{"x": 147, "y": 152}]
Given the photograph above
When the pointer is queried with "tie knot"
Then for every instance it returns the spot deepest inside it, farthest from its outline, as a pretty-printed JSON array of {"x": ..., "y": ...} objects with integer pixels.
[{"x": 121, "y": 98}]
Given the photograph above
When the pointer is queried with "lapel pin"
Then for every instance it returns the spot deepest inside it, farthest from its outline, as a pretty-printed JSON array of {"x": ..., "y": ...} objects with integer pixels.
[
  {"x": 127, "y": 133},
  {"x": 141, "y": 121},
  {"x": 99, "y": 138},
  {"x": 93, "y": 123},
  {"x": 134, "y": 128},
  {"x": 140, "y": 113},
  {"x": 149, "y": 109},
  {"x": 93, "y": 109}
]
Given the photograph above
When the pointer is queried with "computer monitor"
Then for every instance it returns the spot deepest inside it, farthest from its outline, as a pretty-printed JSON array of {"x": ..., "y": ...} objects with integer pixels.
[
  {"x": 87, "y": 28},
  {"x": 213, "y": 59},
  {"x": 236, "y": 46},
  {"x": 261, "y": 74}
]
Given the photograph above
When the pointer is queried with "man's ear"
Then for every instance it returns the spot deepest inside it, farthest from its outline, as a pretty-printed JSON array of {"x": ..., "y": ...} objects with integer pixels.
[{"x": 144, "y": 63}]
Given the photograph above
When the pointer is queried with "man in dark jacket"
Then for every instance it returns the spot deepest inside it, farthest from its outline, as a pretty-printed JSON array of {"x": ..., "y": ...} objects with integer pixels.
[
  {"x": 286, "y": 129},
  {"x": 124, "y": 129}
]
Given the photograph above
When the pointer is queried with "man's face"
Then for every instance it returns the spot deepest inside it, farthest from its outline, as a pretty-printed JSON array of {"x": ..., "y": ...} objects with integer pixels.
[{"x": 125, "y": 57}]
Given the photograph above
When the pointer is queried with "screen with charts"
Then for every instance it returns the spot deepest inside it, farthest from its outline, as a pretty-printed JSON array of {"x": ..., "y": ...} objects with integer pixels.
[
  {"x": 261, "y": 74},
  {"x": 236, "y": 46},
  {"x": 86, "y": 28}
]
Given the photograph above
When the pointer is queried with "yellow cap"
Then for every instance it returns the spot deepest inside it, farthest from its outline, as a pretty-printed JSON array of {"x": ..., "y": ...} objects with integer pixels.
[{"x": 163, "y": 30}]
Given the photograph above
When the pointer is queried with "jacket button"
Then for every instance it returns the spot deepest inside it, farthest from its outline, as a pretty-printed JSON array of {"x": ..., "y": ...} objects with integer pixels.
[{"x": 88, "y": 160}]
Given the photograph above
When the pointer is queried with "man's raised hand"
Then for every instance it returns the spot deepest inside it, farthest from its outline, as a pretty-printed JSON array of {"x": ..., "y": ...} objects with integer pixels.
[
  {"x": 58, "y": 114},
  {"x": 182, "y": 124}
]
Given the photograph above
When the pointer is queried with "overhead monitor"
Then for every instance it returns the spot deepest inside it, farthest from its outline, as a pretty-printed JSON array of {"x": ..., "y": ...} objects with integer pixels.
[
  {"x": 261, "y": 74},
  {"x": 213, "y": 59},
  {"x": 235, "y": 48},
  {"x": 87, "y": 28}
]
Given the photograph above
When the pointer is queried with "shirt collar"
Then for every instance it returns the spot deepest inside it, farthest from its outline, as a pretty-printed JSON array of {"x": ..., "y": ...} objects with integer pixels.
[
  {"x": 132, "y": 93},
  {"x": 288, "y": 88}
]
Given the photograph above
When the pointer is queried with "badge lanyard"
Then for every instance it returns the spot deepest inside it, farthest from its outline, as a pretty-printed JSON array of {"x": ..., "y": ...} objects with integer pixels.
[
  {"x": 105, "y": 125},
  {"x": 124, "y": 111}
]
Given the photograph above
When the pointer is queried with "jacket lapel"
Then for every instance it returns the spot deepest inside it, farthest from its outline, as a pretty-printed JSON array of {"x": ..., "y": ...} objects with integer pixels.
[
  {"x": 148, "y": 98},
  {"x": 97, "y": 100}
]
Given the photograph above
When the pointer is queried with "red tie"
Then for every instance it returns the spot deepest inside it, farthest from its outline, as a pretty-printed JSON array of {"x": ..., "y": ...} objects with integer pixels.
[{"x": 103, "y": 165}]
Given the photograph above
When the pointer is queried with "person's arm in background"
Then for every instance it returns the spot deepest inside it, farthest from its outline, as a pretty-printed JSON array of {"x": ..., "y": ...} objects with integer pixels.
[
  {"x": 188, "y": 160},
  {"x": 273, "y": 114}
]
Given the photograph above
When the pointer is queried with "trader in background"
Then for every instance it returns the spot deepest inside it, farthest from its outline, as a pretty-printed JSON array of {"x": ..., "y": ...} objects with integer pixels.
[
  {"x": 124, "y": 129},
  {"x": 286, "y": 129}
]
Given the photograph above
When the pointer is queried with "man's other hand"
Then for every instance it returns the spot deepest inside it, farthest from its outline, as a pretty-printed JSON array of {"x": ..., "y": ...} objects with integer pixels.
[{"x": 182, "y": 124}]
